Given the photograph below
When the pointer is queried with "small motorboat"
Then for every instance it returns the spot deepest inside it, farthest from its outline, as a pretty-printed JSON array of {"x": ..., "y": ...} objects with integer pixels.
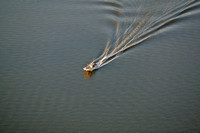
[{"x": 91, "y": 67}]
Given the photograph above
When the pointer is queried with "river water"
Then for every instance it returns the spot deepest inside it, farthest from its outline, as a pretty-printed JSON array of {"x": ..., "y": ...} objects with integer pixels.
[{"x": 45, "y": 44}]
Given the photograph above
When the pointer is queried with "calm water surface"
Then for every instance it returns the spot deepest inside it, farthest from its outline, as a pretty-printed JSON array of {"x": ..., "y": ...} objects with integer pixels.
[{"x": 45, "y": 44}]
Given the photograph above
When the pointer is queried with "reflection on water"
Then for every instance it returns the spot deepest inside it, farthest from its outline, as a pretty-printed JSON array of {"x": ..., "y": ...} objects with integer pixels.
[{"x": 89, "y": 74}]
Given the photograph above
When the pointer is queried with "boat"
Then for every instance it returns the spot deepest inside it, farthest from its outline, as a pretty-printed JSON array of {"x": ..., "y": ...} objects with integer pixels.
[{"x": 91, "y": 67}]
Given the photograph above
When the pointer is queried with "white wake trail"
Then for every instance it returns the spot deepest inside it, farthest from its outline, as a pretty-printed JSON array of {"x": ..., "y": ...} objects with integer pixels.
[{"x": 137, "y": 32}]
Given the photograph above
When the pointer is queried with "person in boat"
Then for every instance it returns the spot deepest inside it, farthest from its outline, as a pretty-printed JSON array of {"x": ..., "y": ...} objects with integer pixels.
[{"x": 93, "y": 64}]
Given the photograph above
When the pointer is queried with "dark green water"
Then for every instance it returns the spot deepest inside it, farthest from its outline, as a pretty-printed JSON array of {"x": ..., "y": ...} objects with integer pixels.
[{"x": 45, "y": 44}]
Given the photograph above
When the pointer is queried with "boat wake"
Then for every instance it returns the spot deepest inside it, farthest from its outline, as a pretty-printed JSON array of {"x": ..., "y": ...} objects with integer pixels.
[{"x": 130, "y": 33}]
